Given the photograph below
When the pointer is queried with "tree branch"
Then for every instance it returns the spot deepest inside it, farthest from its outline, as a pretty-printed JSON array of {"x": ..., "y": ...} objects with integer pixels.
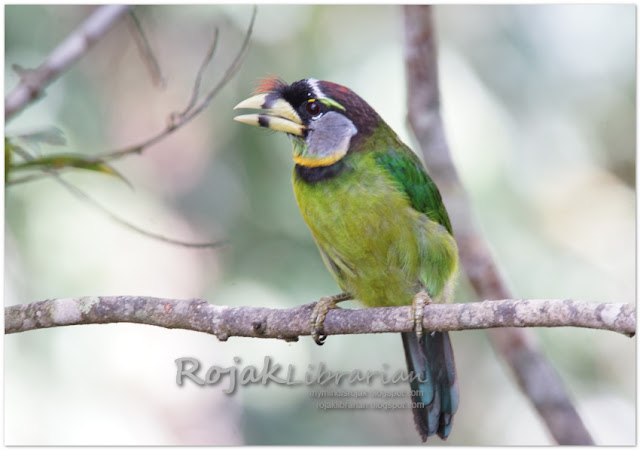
[
  {"x": 33, "y": 82},
  {"x": 84, "y": 197},
  {"x": 535, "y": 375},
  {"x": 36, "y": 80},
  {"x": 288, "y": 324},
  {"x": 178, "y": 120},
  {"x": 146, "y": 52}
]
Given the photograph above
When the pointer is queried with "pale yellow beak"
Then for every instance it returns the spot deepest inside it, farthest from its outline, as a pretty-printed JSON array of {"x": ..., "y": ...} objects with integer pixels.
[{"x": 279, "y": 114}]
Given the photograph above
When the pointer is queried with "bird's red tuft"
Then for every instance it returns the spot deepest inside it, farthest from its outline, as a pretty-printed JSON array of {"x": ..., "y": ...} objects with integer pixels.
[{"x": 269, "y": 84}]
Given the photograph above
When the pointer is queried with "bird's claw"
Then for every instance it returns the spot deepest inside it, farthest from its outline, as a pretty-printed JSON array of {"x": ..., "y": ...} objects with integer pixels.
[
  {"x": 317, "y": 318},
  {"x": 421, "y": 299},
  {"x": 319, "y": 313}
]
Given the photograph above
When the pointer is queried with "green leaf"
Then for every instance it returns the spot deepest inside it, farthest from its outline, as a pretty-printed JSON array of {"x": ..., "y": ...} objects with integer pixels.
[
  {"x": 61, "y": 161},
  {"x": 7, "y": 158}
]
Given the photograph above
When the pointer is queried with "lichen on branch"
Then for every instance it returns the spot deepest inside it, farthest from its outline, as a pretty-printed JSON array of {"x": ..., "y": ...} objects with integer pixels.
[{"x": 288, "y": 324}]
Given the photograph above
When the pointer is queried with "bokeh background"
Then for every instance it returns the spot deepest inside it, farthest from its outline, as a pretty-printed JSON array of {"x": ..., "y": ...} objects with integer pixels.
[{"x": 539, "y": 109}]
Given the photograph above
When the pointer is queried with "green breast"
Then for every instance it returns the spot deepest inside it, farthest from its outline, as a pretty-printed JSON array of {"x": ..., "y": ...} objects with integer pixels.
[{"x": 375, "y": 243}]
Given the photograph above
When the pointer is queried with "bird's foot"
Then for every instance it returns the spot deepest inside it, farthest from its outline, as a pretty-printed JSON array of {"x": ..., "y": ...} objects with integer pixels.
[
  {"x": 320, "y": 312},
  {"x": 421, "y": 299}
]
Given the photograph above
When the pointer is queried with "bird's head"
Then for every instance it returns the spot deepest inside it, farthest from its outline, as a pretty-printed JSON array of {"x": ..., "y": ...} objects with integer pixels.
[{"x": 326, "y": 120}]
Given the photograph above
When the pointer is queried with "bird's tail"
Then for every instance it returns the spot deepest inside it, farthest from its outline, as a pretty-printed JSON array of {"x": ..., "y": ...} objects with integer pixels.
[{"x": 434, "y": 386}]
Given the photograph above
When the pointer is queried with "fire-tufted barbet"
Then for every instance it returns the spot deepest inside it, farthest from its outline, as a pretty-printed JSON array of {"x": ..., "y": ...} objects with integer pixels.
[{"x": 377, "y": 218}]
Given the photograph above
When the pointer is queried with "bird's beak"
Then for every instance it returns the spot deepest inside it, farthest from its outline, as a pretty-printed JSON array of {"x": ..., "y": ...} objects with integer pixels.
[{"x": 279, "y": 114}]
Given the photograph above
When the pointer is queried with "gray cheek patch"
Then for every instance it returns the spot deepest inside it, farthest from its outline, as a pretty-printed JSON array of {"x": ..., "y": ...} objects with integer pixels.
[{"x": 330, "y": 134}]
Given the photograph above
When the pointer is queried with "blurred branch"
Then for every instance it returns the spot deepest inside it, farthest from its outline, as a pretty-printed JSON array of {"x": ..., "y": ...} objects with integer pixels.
[
  {"x": 33, "y": 82},
  {"x": 535, "y": 375},
  {"x": 207, "y": 59},
  {"x": 82, "y": 196},
  {"x": 144, "y": 47},
  {"x": 47, "y": 165},
  {"x": 178, "y": 120},
  {"x": 288, "y": 324}
]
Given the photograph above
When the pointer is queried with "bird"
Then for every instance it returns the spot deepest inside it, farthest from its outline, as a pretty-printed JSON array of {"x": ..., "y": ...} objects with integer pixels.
[{"x": 378, "y": 220}]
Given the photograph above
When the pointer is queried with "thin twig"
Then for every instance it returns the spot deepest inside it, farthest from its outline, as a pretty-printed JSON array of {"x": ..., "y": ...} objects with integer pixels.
[
  {"x": 196, "y": 85},
  {"x": 27, "y": 178},
  {"x": 288, "y": 324},
  {"x": 147, "y": 54},
  {"x": 179, "y": 120},
  {"x": 15, "y": 101},
  {"x": 82, "y": 196},
  {"x": 535, "y": 375},
  {"x": 88, "y": 199},
  {"x": 33, "y": 82},
  {"x": 231, "y": 70}
]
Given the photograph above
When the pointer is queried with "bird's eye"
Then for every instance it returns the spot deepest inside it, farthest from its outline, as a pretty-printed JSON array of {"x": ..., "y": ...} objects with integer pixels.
[{"x": 313, "y": 108}]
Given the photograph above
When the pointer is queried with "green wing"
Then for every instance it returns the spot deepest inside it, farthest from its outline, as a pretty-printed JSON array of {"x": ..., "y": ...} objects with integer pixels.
[{"x": 423, "y": 193}]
